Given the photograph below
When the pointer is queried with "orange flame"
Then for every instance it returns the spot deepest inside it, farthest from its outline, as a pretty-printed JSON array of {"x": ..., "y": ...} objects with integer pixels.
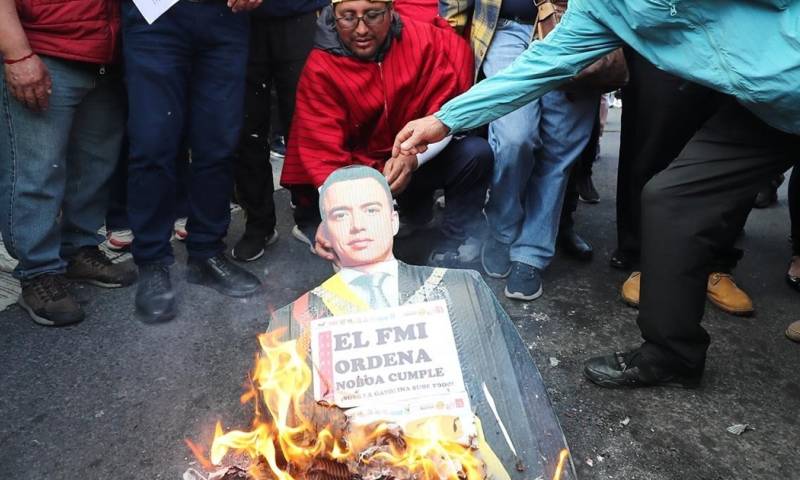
[
  {"x": 280, "y": 380},
  {"x": 198, "y": 453}
]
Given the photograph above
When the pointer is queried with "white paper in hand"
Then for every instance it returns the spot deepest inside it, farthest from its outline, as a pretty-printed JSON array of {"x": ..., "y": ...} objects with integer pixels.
[{"x": 152, "y": 9}]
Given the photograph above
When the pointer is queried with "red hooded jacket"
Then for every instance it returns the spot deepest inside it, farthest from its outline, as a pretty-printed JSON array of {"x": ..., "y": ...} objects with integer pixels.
[
  {"x": 348, "y": 111},
  {"x": 84, "y": 30}
]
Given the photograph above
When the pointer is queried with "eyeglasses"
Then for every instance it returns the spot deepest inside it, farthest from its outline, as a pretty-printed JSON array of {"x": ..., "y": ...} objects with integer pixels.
[{"x": 371, "y": 18}]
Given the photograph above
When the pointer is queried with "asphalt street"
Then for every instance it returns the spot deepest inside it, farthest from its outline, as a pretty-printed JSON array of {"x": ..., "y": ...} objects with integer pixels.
[{"x": 113, "y": 398}]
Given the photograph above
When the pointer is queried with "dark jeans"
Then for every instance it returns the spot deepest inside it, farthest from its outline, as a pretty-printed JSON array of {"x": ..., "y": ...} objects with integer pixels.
[
  {"x": 117, "y": 216},
  {"x": 696, "y": 206},
  {"x": 278, "y": 51},
  {"x": 661, "y": 114},
  {"x": 794, "y": 208},
  {"x": 462, "y": 169},
  {"x": 185, "y": 75}
]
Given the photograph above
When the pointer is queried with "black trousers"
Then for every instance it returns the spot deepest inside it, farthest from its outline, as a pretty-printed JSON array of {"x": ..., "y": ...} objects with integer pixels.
[
  {"x": 661, "y": 113},
  {"x": 693, "y": 208},
  {"x": 463, "y": 169},
  {"x": 794, "y": 208},
  {"x": 278, "y": 50}
]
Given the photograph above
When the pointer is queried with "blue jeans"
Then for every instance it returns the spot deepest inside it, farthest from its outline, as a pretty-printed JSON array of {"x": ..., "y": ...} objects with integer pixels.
[
  {"x": 534, "y": 149},
  {"x": 185, "y": 75},
  {"x": 55, "y": 166}
]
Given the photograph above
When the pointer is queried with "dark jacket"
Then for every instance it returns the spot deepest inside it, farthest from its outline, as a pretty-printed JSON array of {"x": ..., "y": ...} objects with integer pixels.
[{"x": 289, "y": 8}]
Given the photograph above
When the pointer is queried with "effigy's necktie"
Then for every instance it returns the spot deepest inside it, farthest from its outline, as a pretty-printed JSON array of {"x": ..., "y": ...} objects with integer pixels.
[{"x": 370, "y": 285}]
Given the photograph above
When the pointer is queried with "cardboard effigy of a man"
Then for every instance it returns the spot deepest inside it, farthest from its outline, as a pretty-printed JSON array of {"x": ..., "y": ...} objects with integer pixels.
[{"x": 499, "y": 376}]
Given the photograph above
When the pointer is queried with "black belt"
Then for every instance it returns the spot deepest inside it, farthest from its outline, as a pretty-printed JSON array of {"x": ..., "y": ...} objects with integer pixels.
[{"x": 523, "y": 21}]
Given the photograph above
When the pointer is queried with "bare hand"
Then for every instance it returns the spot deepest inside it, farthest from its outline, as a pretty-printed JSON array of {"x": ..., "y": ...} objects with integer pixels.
[
  {"x": 243, "y": 5},
  {"x": 323, "y": 248},
  {"x": 29, "y": 82},
  {"x": 415, "y": 137},
  {"x": 398, "y": 171}
]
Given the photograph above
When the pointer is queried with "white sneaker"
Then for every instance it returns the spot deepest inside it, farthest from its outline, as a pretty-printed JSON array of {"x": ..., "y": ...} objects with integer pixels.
[
  {"x": 119, "y": 240},
  {"x": 7, "y": 262},
  {"x": 180, "y": 229}
]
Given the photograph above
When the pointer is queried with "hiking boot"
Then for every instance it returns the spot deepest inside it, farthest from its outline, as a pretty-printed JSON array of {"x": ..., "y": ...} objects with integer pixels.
[
  {"x": 223, "y": 276},
  {"x": 90, "y": 265},
  {"x": 494, "y": 258},
  {"x": 251, "y": 246},
  {"x": 48, "y": 302},
  {"x": 155, "y": 298},
  {"x": 723, "y": 292},
  {"x": 524, "y": 282}
]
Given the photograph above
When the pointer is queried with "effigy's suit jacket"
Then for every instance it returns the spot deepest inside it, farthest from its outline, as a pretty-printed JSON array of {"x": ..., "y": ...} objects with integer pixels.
[{"x": 490, "y": 352}]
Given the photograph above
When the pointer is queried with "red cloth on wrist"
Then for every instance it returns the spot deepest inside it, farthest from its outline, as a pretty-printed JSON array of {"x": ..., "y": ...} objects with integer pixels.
[{"x": 8, "y": 61}]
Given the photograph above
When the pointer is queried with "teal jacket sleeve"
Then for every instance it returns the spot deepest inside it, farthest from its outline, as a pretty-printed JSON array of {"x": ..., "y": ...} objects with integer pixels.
[{"x": 575, "y": 43}]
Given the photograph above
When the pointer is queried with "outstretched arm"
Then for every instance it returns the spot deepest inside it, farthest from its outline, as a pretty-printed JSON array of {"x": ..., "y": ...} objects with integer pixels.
[{"x": 576, "y": 42}]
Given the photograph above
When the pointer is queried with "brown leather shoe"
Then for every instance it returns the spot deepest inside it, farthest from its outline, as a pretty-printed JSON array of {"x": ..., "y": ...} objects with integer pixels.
[
  {"x": 793, "y": 332},
  {"x": 630, "y": 289},
  {"x": 727, "y": 296}
]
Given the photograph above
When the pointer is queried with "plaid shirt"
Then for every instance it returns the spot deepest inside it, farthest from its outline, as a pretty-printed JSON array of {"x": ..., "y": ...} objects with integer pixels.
[{"x": 483, "y": 15}]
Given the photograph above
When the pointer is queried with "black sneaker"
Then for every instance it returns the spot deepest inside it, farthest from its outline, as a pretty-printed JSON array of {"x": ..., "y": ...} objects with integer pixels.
[
  {"x": 524, "y": 283},
  {"x": 90, "y": 265},
  {"x": 155, "y": 298},
  {"x": 449, "y": 252},
  {"x": 48, "y": 302},
  {"x": 586, "y": 191},
  {"x": 223, "y": 276},
  {"x": 494, "y": 258},
  {"x": 251, "y": 247}
]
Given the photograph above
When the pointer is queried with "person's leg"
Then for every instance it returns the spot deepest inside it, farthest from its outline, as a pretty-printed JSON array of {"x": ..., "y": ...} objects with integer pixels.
[
  {"x": 694, "y": 207},
  {"x": 661, "y": 114},
  {"x": 33, "y": 173},
  {"x": 216, "y": 103},
  {"x": 117, "y": 214},
  {"x": 514, "y": 139},
  {"x": 565, "y": 127},
  {"x": 157, "y": 61},
  {"x": 252, "y": 169},
  {"x": 92, "y": 157},
  {"x": 793, "y": 274},
  {"x": 463, "y": 170}
]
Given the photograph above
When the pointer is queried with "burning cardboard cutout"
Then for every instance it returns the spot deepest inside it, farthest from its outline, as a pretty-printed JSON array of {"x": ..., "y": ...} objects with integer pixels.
[{"x": 393, "y": 371}]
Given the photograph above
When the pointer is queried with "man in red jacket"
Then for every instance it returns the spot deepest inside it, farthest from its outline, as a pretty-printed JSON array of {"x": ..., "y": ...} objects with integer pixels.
[
  {"x": 371, "y": 71},
  {"x": 63, "y": 117}
]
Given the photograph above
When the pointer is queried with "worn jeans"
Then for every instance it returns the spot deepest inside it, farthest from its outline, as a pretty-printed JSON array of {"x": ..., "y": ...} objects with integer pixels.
[
  {"x": 534, "y": 148},
  {"x": 55, "y": 165},
  {"x": 185, "y": 75}
]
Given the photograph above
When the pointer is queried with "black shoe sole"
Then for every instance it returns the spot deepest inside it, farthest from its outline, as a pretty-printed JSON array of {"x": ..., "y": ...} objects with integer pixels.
[
  {"x": 606, "y": 382},
  {"x": 164, "y": 317}
]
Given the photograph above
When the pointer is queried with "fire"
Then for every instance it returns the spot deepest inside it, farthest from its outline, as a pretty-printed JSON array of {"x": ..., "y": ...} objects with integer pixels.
[{"x": 286, "y": 439}]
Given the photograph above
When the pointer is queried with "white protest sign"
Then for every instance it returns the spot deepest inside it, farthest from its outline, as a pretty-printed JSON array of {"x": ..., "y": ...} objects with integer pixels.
[
  {"x": 152, "y": 9},
  {"x": 385, "y": 355}
]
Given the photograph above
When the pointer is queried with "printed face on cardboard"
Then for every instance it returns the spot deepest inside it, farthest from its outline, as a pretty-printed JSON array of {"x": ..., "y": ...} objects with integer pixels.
[{"x": 358, "y": 218}]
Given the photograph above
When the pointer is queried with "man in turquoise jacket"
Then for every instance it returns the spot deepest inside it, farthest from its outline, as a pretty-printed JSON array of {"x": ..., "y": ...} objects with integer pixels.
[{"x": 749, "y": 52}]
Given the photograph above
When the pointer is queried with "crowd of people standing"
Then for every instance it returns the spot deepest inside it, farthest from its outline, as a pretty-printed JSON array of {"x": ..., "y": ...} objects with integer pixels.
[{"x": 176, "y": 115}]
